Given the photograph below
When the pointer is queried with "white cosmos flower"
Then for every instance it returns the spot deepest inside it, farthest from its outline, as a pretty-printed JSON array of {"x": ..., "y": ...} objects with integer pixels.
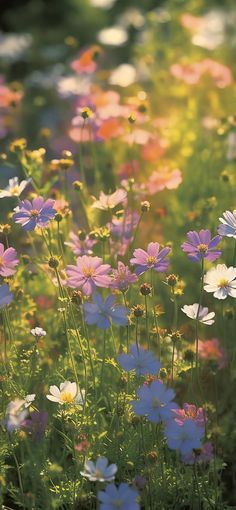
[
  {"x": 221, "y": 280},
  {"x": 66, "y": 394},
  {"x": 123, "y": 75},
  {"x": 38, "y": 332},
  {"x": 15, "y": 414},
  {"x": 200, "y": 313},
  {"x": 14, "y": 188},
  {"x": 113, "y": 36},
  {"x": 29, "y": 399},
  {"x": 228, "y": 227},
  {"x": 99, "y": 471}
]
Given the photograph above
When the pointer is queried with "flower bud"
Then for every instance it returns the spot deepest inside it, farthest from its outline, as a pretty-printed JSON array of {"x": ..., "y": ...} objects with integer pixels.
[
  {"x": 145, "y": 206},
  {"x": 53, "y": 262},
  {"x": 171, "y": 280},
  {"x": 77, "y": 185},
  {"x": 138, "y": 310},
  {"x": 145, "y": 289}
]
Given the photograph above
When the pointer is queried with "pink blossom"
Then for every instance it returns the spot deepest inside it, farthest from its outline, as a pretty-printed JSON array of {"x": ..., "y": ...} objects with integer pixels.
[
  {"x": 190, "y": 411},
  {"x": 107, "y": 202},
  {"x": 212, "y": 350},
  {"x": 8, "y": 261},
  {"x": 88, "y": 274},
  {"x": 163, "y": 178},
  {"x": 122, "y": 277},
  {"x": 80, "y": 246}
]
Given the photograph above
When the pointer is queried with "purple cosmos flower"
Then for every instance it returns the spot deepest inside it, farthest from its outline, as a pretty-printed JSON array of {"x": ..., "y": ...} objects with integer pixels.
[
  {"x": 190, "y": 411},
  {"x": 36, "y": 424},
  {"x": 37, "y": 213},
  {"x": 155, "y": 402},
  {"x": 79, "y": 246},
  {"x": 8, "y": 261},
  {"x": 201, "y": 246},
  {"x": 5, "y": 295},
  {"x": 102, "y": 313},
  {"x": 204, "y": 454},
  {"x": 99, "y": 471},
  {"x": 124, "y": 226},
  {"x": 122, "y": 497},
  {"x": 122, "y": 277},
  {"x": 184, "y": 437},
  {"x": 88, "y": 273},
  {"x": 228, "y": 227},
  {"x": 140, "y": 360},
  {"x": 153, "y": 258}
]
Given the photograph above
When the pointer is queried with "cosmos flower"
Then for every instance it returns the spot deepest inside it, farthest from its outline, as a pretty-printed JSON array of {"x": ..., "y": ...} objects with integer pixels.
[
  {"x": 184, "y": 437},
  {"x": 201, "y": 246},
  {"x": 122, "y": 278},
  {"x": 199, "y": 313},
  {"x": 29, "y": 399},
  {"x": 190, "y": 411},
  {"x": 88, "y": 274},
  {"x": 203, "y": 454},
  {"x": 155, "y": 402},
  {"x": 80, "y": 246},
  {"x": 103, "y": 313},
  {"x": 14, "y": 188},
  {"x": 107, "y": 202},
  {"x": 140, "y": 360},
  {"x": 212, "y": 350},
  {"x": 153, "y": 258},
  {"x": 99, "y": 471},
  {"x": 5, "y": 295},
  {"x": 228, "y": 227},
  {"x": 15, "y": 414},
  {"x": 67, "y": 394},
  {"x": 87, "y": 61},
  {"x": 37, "y": 213},
  {"x": 122, "y": 497},
  {"x": 8, "y": 261},
  {"x": 36, "y": 424},
  {"x": 163, "y": 178},
  {"x": 124, "y": 226},
  {"x": 221, "y": 280},
  {"x": 38, "y": 332}
]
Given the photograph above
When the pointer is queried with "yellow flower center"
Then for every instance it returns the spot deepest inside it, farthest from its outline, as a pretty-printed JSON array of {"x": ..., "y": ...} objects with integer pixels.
[
  {"x": 156, "y": 402},
  {"x": 223, "y": 283},
  {"x": 88, "y": 271},
  {"x": 117, "y": 503},
  {"x": 15, "y": 190},
  {"x": 202, "y": 248},
  {"x": 151, "y": 260},
  {"x": 1, "y": 261},
  {"x": 66, "y": 397},
  {"x": 34, "y": 213},
  {"x": 98, "y": 473}
]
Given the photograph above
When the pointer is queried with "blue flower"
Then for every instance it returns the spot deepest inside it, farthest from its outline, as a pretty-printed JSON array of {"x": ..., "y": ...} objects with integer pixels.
[
  {"x": 122, "y": 497},
  {"x": 5, "y": 295},
  {"x": 102, "y": 313},
  {"x": 140, "y": 360},
  {"x": 99, "y": 471},
  {"x": 184, "y": 437},
  {"x": 155, "y": 402}
]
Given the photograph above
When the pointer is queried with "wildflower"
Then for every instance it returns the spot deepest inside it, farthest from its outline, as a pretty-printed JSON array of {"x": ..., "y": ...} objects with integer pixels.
[
  {"x": 80, "y": 245},
  {"x": 155, "y": 402},
  {"x": 212, "y": 350},
  {"x": 190, "y": 411},
  {"x": 36, "y": 424},
  {"x": 228, "y": 227},
  {"x": 67, "y": 394},
  {"x": 153, "y": 258},
  {"x": 140, "y": 360},
  {"x": 201, "y": 246},
  {"x": 221, "y": 280},
  {"x": 34, "y": 214},
  {"x": 99, "y": 471},
  {"x": 102, "y": 313},
  {"x": 86, "y": 63},
  {"x": 163, "y": 178},
  {"x": 184, "y": 437},
  {"x": 15, "y": 414},
  {"x": 107, "y": 202},
  {"x": 199, "y": 313},
  {"x": 14, "y": 188},
  {"x": 29, "y": 399},
  {"x": 88, "y": 274},
  {"x": 5, "y": 295},
  {"x": 122, "y": 277},
  {"x": 122, "y": 497},
  {"x": 203, "y": 454},
  {"x": 8, "y": 261},
  {"x": 145, "y": 289}
]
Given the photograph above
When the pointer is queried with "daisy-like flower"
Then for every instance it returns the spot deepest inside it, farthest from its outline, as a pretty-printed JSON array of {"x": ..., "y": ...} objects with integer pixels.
[
  {"x": 103, "y": 313},
  {"x": 228, "y": 227},
  {"x": 200, "y": 246},
  {"x": 122, "y": 277},
  {"x": 221, "y": 280},
  {"x": 122, "y": 497},
  {"x": 190, "y": 411},
  {"x": 212, "y": 350},
  {"x": 80, "y": 246},
  {"x": 14, "y": 188},
  {"x": 99, "y": 471},
  {"x": 88, "y": 274},
  {"x": 155, "y": 402},
  {"x": 15, "y": 414},
  {"x": 37, "y": 213},
  {"x": 67, "y": 393},
  {"x": 29, "y": 399},
  {"x": 199, "y": 313},
  {"x": 8, "y": 261},
  {"x": 38, "y": 332},
  {"x": 108, "y": 202},
  {"x": 184, "y": 437},
  {"x": 140, "y": 360},
  {"x": 5, "y": 295},
  {"x": 153, "y": 258}
]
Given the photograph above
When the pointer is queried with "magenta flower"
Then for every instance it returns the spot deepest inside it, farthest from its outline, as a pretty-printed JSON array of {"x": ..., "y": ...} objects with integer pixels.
[
  {"x": 122, "y": 277},
  {"x": 153, "y": 258},
  {"x": 190, "y": 411},
  {"x": 88, "y": 274},
  {"x": 8, "y": 261},
  {"x": 200, "y": 246},
  {"x": 80, "y": 246},
  {"x": 37, "y": 213}
]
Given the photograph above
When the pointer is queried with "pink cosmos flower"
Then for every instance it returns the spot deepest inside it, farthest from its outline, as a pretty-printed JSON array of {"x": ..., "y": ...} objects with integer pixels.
[
  {"x": 107, "y": 202},
  {"x": 163, "y": 178},
  {"x": 80, "y": 246},
  {"x": 153, "y": 258},
  {"x": 88, "y": 274},
  {"x": 190, "y": 411},
  {"x": 8, "y": 261},
  {"x": 86, "y": 63},
  {"x": 212, "y": 350},
  {"x": 122, "y": 277}
]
